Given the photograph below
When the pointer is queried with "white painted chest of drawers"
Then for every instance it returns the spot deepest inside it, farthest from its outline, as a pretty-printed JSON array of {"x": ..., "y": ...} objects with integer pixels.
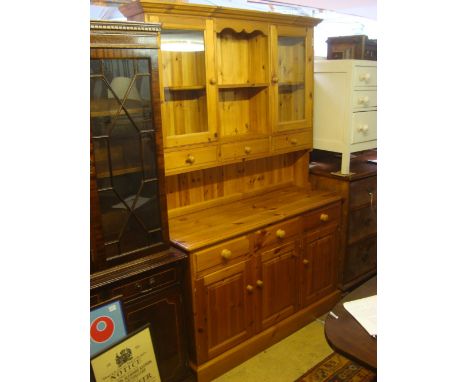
[{"x": 345, "y": 107}]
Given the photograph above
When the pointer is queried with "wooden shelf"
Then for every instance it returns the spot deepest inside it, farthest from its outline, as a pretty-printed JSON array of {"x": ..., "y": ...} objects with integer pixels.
[
  {"x": 185, "y": 88},
  {"x": 118, "y": 172},
  {"x": 110, "y": 107},
  {"x": 232, "y": 86},
  {"x": 292, "y": 83}
]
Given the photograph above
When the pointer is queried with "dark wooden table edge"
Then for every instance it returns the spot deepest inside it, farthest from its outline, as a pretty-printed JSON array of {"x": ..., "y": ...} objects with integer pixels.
[{"x": 340, "y": 310}]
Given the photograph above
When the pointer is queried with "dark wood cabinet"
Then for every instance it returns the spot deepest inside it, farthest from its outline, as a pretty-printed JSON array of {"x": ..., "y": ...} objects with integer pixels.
[
  {"x": 152, "y": 291},
  {"x": 358, "y": 252},
  {"x": 131, "y": 257},
  {"x": 128, "y": 203}
]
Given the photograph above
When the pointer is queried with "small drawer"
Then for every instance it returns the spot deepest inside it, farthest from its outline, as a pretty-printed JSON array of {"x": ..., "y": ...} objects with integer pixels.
[
  {"x": 360, "y": 259},
  {"x": 292, "y": 141},
  {"x": 364, "y": 126},
  {"x": 364, "y": 98},
  {"x": 244, "y": 149},
  {"x": 365, "y": 76},
  {"x": 363, "y": 192},
  {"x": 147, "y": 284},
  {"x": 221, "y": 254},
  {"x": 322, "y": 217},
  {"x": 362, "y": 223},
  {"x": 277, "y": 234},
  {"x": 182, "y": 159}
]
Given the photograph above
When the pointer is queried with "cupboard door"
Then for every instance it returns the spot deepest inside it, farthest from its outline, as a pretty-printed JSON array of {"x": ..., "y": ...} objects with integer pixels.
[
  {"x": 187, "y": 84},
  {"x": 292, "y": 58},
  {"x": 276, "y": 284},
  {"x": 223, "y": 303},
  {"x": 164, "y": 311},
  {"x": 318, "y": 266}
]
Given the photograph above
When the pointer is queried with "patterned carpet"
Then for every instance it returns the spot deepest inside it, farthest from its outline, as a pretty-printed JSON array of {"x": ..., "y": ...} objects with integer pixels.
[{"x": 336, "y": 368}]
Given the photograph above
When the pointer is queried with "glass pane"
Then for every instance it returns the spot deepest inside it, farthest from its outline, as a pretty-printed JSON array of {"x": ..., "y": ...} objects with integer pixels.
[
  {"x": 183, "y": 63},
  {"x": 183, "y": 58},
  {"x": 291, "y": 75},
  {"x": 125, "y": 154}
]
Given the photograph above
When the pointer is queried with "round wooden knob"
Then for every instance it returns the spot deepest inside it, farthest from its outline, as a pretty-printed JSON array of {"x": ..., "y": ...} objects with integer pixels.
[
  {"x": 274, "y": 79},
  {"x": 305, "y": 261},
  {"x": 213, "y": 81},
  {"x": 226, "y": 254},
  {"x": 190, "y": 159},
  {"x": 294, "y": 141},
  {"x": 248, "y": 149},
  {"x": 260, "y": 283},
  {"x": 324, "y": 217},
  {"x": 280, "y": 234},
  {"x": 249, "y": 288}
]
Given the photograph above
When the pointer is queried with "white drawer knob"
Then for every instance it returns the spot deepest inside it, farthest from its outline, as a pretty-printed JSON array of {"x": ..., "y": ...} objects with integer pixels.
[
  {"x": 364, "y": 77},
  {"x": 363, "y": 128},
  {"x": 363, "y": 100}
]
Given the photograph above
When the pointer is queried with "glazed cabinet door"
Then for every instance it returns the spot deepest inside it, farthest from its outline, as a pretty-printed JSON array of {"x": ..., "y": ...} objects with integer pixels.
[
  {"x": 318, "y": 267},
  {"x": 126, "y": 189},
  {"x": 164, "y": 311},
  {"x": 223, "y": 303},
  {"x": 291, "y": 79},
  {"x": 187, "y": 81},
  {"x": 275, "y": 285}
]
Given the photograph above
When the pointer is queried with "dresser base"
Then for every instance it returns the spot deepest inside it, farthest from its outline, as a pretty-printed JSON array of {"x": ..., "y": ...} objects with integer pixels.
[{"x": 240, "y": 353}]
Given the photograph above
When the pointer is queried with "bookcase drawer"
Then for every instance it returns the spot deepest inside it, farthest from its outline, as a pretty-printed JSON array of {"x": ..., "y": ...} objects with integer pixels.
[
  {"x": 245, "y": 149},
  {"x": 186, "y": 159},
  {"x": 292, "y": 141}
]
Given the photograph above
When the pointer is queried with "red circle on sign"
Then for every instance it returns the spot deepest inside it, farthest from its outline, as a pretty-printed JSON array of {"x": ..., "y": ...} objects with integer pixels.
[{"x": 102, "y": 334}]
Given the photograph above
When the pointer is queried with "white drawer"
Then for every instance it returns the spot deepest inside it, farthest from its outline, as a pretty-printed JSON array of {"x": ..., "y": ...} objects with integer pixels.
[
  {"x": 364, "y": 98},
  {"x": 365, "y": 76},
  {"x": 364, "y": 126}
]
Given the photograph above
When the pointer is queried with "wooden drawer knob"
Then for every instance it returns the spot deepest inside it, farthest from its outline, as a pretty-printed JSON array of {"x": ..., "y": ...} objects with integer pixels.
[
  {"x": 248, "y": 149},
  {"x": 226, "y": 254},
  {"x": 324, "y": 217},
  {"x": 260, "y": 283},
  {"x": 280, "y": 234},
  {"x": 294, "y": 141},
  {"x": 274, "y": 79},
  {"x": 213, "y": 81},
  {"x": 305, "y": 261},
  {"x": 249, "y": 288},
  {"x": 190, "y": 159}
]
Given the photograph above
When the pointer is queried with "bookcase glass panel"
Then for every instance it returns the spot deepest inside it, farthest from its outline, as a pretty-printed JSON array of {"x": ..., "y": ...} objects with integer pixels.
[
  {"x": 184, "y": 82},
  {"x": 291, "y": 78},
  {"x": 183, "y": 58},
  {"x": 124, "y": 145}
]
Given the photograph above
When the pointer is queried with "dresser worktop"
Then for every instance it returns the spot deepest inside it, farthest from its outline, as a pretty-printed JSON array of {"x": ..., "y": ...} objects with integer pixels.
[{"x": 199, "y": 229}]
